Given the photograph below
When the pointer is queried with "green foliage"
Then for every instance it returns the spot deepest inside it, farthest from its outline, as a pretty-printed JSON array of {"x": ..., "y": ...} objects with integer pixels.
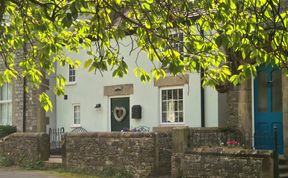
[
  {"x": 69, "y": 174},
  {"x": 108, "y": 172},
  {"x": 45, "y": 101},
  {"x": 6, "y": 130},
  {"x": 6, "y": 161},
  {"x": 32, "y": 165},
  {"x": 113, "y": 172},
  {"x": 225, "y": 39}
]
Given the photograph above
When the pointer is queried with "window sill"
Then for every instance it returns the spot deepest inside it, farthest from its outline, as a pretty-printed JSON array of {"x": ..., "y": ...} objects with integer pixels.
[
  {"x": 181, "y": 124},
  {"x": 75, "y": 126},
  {"x": 5, "y": 101},
  {"x": 71, "y": 83}
]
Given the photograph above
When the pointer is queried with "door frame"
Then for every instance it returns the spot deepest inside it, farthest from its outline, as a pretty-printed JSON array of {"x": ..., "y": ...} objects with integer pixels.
[
  {"x": 109, "y": 109},
  {"x": 253, "y": 112}
]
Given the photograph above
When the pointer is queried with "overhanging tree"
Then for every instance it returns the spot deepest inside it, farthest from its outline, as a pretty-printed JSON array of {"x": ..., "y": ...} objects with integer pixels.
[{"x": 226, "y": 40}]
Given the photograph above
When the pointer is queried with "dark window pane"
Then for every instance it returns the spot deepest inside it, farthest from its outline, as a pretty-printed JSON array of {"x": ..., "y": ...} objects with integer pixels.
[
  {"x": 176, "y": 108},
  {"x": 180, "y": 116},
  {"x": 180, "y": 93},
  {"x": 164, "y": 106},
  {"x": 169, "y": 94},
  {"x": 164, "y": 94},
  {"x": 175, "y": 95},
  {"x": 176, "y": 117},
  {"x": 164, "y": 117},
  {"x": 180, "y": 105}
]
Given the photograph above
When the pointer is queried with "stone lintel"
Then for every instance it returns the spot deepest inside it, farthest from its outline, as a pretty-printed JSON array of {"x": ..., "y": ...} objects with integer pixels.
[
  {"x": 172, "y": 81},
  {"x": 118, "y": 90}
]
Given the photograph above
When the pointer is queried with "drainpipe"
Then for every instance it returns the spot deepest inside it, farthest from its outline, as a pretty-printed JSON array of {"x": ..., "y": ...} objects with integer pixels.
[
  {"x": 202, "y": 93},
  {"x": 24, "y": 104},
  {"x": 24, "y": 93}
]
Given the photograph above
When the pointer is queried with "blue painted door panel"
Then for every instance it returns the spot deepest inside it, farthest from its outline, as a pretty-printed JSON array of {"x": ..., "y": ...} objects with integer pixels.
[{"x": 265, "y": 102}]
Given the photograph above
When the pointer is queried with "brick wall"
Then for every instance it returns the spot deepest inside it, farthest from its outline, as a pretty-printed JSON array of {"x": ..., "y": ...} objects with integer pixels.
[
  {"x": 25, "y": 147},
  {"x": 141, "y": 154}
]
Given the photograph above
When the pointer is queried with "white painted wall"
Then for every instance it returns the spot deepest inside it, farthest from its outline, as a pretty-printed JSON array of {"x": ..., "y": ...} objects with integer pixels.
[
  {"x": 89, "y": 91},
  {"x": 51, "y": 115},
  {"x": 211, "y": 106}
]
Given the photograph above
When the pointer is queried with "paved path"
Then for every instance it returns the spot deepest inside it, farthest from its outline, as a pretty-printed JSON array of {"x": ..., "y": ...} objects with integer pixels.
[{"x": 12, "y": 172}]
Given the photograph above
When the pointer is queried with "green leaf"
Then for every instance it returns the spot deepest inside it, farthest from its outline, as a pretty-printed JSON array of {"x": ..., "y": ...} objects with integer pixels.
[
  {"x": 67, "y": 20},
  {"x": 45, "y": 102},
  {"x": 145, "y": 6},
  {"x": 226, "y": 71},
  {"x": 147, "y": 24},
  {"x": 88, "y": 63},
  {"x": 118, "y": 2}
]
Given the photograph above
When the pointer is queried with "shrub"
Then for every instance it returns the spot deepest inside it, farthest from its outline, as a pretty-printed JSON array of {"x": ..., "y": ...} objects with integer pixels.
[
  {"x": 113, "y": 172},
  {"x": 32, "y": 165},
  {"x": 6, "y": 161},
  {"x": 6, "y": 130}
]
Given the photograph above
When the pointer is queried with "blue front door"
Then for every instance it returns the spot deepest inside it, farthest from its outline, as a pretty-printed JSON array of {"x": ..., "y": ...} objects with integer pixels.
[{"x": 268, "y": 108}]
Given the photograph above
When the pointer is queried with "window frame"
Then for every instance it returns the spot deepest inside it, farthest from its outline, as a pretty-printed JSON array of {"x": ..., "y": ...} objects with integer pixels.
[
  {"x": 74, "y": 106},
  {"x": 178, "y": 46},
  {"x": 160, "y": 109},
  {"x": 70, "y": 68},
  {"x": 6, "y": 102}
]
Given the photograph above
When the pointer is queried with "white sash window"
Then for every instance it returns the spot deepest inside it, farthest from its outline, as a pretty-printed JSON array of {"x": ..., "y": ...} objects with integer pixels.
[
  {"x": 6, "y": 105},
  {"x": 172, "y": 105}
]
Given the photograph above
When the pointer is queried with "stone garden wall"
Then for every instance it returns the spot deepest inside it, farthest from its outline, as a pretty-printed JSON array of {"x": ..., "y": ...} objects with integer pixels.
[
  {"x": 213, "y": 136},
  {"x": 179, "y": 152},
  {"x": 222, "y": 162},
  {"x": 164, "y": 149},
  {"x": 21, "y": 147},
  {"x": 197, "y": 153},
  {"x": 140, "y": 154}
]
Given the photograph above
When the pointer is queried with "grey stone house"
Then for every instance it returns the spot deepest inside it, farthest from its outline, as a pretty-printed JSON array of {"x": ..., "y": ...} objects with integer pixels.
[{"x": 19, "y": 108}]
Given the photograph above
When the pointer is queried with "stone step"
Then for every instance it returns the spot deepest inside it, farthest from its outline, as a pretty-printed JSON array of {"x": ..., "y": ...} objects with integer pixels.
[
  {"x": 163, "y": 176},
  {"x": 55, "y": 156},
  {"x": 54, "y": 162},
  {"x": 283, "y": 175},
  {"x": 283, "y": 168},
  {"x": 282, "y": 159}
]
